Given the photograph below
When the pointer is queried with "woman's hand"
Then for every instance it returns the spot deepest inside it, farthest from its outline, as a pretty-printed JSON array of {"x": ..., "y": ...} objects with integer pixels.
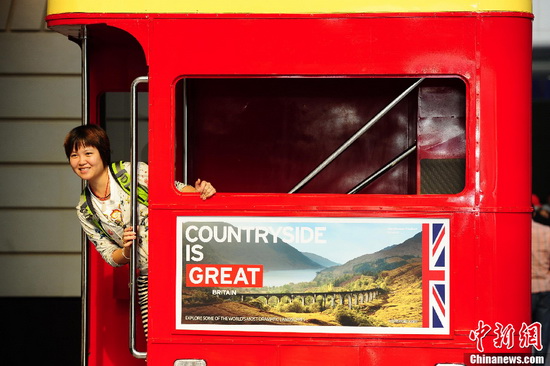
[
  {"x": 205, "y": 189},
  {"x": 123, "y": 256},
  {"x": 128, "y": 237}
]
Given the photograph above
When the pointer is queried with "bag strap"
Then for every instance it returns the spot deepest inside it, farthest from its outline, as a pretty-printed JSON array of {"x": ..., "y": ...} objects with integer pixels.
[
  {"x": 124, "y": 181},
  {"x": 87, "y": 209}
]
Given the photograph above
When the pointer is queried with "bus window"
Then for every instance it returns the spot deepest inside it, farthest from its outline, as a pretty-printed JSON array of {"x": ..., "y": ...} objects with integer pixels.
[
  {"x": 115, "y": 119},
  {"x": 275, "y": 135}
]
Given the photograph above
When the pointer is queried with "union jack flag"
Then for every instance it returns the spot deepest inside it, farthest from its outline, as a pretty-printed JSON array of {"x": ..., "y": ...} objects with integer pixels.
[{"x": 435, "y": 275}]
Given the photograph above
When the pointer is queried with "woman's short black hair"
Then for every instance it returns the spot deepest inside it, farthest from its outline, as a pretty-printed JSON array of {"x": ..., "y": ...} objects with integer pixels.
[{"x": 89, "y": 135}]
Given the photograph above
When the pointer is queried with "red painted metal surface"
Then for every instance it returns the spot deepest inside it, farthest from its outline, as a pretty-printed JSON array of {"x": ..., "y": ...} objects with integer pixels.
[
  {"x": 115, "y": 60},
  {"x": 489, "y": 219}
]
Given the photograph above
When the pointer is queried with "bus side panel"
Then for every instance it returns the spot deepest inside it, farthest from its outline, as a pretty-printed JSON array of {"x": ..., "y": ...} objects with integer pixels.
[
  {"x": 215, "y": 354},
  {"x": 480, "y": 289},
  {"x": 503, "y": 265},
  {"x": 505, "y": 112},
  {"x": 350, "y": 46},
  {"x": 484, "y": 260},
  {"x": 408, "y": 46},
  {"x": 108, "y": 319}
]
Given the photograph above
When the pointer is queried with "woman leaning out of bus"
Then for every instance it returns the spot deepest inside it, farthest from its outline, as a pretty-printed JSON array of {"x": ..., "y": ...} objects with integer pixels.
[{"x": 104, "y": 207}]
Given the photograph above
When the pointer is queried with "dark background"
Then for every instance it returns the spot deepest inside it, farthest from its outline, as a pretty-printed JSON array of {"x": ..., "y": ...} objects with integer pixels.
[
  {"x": 40, "y": 331},
  {"x": 541, "y": 123}
]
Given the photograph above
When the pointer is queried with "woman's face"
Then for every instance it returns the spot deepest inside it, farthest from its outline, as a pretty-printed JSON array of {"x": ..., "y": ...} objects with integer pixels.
[{"x": 86, "y": 162}]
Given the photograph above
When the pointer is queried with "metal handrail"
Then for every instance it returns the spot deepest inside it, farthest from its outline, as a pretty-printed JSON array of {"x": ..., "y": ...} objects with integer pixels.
[
  {"x": 185, "y": 132},
  {"x": 382, "y": 170},
  {"x": 134, "y": 213},
  {"x": 83, "y": 238},
  {"x": 353, "y": 138}
]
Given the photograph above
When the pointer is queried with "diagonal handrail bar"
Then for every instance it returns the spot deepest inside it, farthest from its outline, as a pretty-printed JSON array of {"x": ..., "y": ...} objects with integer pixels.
[
  {"x": 382, "y": 170},
  {"x": 353, "y": 138}
]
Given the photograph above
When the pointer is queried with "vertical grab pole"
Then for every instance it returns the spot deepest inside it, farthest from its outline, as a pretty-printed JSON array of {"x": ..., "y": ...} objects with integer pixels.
[
  {"x": 134, "y": 208},
  {"x": 185, "y": 128},
  {"x": 83, "y": 238}
]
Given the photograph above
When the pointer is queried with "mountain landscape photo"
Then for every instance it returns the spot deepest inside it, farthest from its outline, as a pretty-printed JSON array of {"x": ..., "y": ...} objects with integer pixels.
[{"x": 393, "y": 273}]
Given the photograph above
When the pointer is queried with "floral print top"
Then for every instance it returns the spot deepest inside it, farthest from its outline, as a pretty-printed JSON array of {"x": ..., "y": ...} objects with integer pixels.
[{"x": 114, "y": 215}]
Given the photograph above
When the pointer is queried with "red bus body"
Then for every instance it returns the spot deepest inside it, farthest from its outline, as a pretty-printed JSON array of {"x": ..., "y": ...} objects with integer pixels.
[{"x": 489, "y": 219}]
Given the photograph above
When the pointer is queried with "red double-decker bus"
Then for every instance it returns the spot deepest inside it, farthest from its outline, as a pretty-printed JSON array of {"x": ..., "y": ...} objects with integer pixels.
[{"x": 373, "y": 168}]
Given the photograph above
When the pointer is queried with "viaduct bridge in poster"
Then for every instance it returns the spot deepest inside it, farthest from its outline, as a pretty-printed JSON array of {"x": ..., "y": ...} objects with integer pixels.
[{"x": 329, "y": 299}]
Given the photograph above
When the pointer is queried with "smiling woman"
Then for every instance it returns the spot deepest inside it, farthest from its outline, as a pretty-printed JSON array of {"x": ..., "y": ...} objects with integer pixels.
[
  {"x": 88, "y": 150},
  {"x": 89, "y": 155},
  {"x": 104, "y": 209}
]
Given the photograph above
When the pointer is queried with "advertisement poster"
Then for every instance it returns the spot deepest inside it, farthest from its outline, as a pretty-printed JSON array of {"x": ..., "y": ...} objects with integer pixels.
[{"x": 313, "y": 275}]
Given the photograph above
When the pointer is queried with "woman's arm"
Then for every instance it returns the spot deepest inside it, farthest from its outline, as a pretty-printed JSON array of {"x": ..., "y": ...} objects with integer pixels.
[
  {"x": 107, "y": 248},
  {"x": 122, "y": 255},
  {"x": 205, "y": 188}
]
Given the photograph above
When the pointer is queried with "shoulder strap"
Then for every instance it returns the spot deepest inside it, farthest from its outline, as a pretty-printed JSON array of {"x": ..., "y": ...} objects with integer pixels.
[
  {"x": 87, "y": 209},
  {"x": 124, "y": 181}
]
